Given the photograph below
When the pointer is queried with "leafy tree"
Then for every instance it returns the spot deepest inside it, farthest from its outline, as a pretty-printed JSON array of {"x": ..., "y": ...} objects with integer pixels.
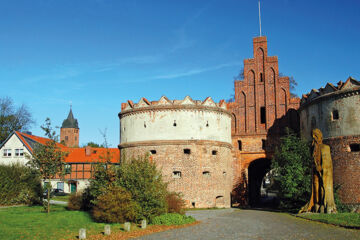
[
  {"x": 12, "y": 118},
  {"x": 95, "y": 145},
  {"x": 292, "y": 164},
  {"x": 144, "y": 181},
  {"x": 48, "y": 159}
]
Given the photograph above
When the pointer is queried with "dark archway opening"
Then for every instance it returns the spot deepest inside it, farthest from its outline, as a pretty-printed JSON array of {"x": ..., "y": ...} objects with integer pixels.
[{"x": 257, "y": 171}]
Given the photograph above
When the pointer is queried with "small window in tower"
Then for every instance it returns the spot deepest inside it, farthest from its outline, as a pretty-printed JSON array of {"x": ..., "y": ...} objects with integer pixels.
[
  {"x": 262, "y": 115},
  {"x": 355, "y": 147},
  {"x": 187, "y": 151},
  {"x": 214, "y": 152},
  {"x": 144, "y": 124},
  {"x": 206, "y": 173},
  {"x": 174, "y": 123},
  {"x": 263, "y": 144},
  {"x": 66, "y": 138},
  {"x": 207, "y": 123},
  {"x": 240, "y": 145},
  {"x": 75, "y": 138},
  {"x": 176, "y": 174},
  {"x": 153, "y": 151},
  {"x": 261, "y": 77},
  {"x": 335, "y": 115}
]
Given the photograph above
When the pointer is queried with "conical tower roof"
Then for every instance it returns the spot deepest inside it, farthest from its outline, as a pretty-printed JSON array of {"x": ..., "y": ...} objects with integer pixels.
[{"x": 70, "y": 122}]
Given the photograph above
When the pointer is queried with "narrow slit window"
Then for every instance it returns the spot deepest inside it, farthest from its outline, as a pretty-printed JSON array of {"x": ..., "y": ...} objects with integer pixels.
[
  {"x": 153, "y": 151},
  {"x": 214, "y": 152},
  {"x": 261, "y": 77},
  {"x": 206, "y": 173},
  {"x": 174, "y": 124},
  {"x": 262, "y": 115},
  {"x": 263, "y": 144},
  {"x": 240, "y": 145},
  {"x": 355, "y": 147},
  {"x": 335, "y": 115},
  {"x": 176, "y": 174},
  {"x": 187, "y": 151},
  {"x": 144, "y": 124},
  {"x": 207, "y": 123}
]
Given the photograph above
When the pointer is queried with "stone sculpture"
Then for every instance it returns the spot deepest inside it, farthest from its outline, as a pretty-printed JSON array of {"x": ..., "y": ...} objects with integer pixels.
[{"x": 322, "y": 195}]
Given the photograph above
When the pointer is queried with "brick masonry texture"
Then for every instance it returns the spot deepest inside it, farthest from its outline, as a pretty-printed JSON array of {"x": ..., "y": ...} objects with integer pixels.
[
  {"x": 346, "y": 166},
  {"x": 262, "y": 109},
  {"x": 206, "y": 173},
  {"x": 72, "y": 135}
]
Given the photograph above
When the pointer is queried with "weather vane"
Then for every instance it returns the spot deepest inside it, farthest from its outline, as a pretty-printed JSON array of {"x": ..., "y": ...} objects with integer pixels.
[{"x": 259, "y": 18}]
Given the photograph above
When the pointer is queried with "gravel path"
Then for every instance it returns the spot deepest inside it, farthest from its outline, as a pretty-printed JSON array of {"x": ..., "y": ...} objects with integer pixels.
[{"x": 254, "y": 224}]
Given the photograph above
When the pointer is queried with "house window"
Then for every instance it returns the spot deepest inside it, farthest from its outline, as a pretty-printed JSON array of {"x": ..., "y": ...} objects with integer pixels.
[
  {"x": 206, "y": 173},
  {"x": 240, "y": 145},
  {"x": 187, "y": 151},
  {"x": 176, "y": 174},
  {"x": 19, "y": 152},
  {"x": 60, "y": 185},
  {"x": 262, "y": 115},
  {"x": 263, "y": 144},
  {"x": 355, "y": 147},
  {"x": 335, "y": 115},
  {"x": 153, "y": 151},
  {"x": 67, "y": 168},
  {"x": 214, "y": 152},
  {"x": 7, "y": 152}
]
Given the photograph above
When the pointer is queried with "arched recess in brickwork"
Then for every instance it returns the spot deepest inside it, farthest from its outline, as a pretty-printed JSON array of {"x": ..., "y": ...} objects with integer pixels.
[
  {"x": 271, "y": 79},
  {"x": 234, "y": 123},
  {"x": 251, "y": 77},
  {"x": 282, "y": 102},
  {"x": 242, "y": 112},
  {"x": 260, "y": 63}
]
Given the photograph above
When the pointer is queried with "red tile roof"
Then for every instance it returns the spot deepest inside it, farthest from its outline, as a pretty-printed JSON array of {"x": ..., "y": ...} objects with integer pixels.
[{"x": 76, "y": 155}]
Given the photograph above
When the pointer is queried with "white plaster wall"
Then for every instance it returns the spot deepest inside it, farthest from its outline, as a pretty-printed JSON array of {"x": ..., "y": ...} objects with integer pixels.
[
  {"x": 81, "y": 185},
  {"x": 13, "y": 143},
  {"x": 190, "y": 125},
  {"x": 348, "y": 123}
]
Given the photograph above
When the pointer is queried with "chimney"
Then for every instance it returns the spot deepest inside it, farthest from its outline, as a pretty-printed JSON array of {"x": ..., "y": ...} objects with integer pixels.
[{"x": 87, "y": 151}]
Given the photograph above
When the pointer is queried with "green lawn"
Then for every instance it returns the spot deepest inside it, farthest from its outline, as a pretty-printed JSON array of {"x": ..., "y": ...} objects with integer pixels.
[
  {"x": 61, "y": 198},
  {"x": 342, "y": 219},
  {"x": 33, "y": 223}
]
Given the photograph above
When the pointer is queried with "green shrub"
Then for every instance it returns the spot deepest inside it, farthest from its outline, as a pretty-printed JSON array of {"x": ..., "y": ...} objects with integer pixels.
[
  {"x": 75, "y": 202},
  {"x": 175, "y": 204},
  {"x": 19, "y": 185},
  {"x": 144, "y": 181},
  {"x": 172, "y": 219},
  {"x": 115, "y": 205},
  {"x": 292, "y": 171}
]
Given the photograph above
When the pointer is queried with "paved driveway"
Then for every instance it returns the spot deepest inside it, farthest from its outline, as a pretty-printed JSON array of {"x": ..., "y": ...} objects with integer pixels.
[{"x": 253, "y": 224}]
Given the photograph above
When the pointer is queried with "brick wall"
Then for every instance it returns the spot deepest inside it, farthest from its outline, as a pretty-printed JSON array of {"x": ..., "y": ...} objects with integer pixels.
[
  {"x": 346, "y": 164},
  {"x": 70, "y": 136},
  {"x": 262, "y": 108},
  {"x": 206, "y": 173}
]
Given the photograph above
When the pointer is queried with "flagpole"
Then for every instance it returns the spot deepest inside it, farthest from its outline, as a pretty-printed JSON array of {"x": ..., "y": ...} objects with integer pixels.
[{"x": 259, "y": 18}]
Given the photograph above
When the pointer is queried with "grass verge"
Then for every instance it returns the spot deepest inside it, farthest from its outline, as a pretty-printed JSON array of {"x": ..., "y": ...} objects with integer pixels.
[
  {"x": 349, "y": 220},
  {"x": 33, "y": 223},
  {"x": 61, "y": 198}
]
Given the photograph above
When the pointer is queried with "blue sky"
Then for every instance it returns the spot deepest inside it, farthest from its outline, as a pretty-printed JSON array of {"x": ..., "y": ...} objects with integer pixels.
[{"x": 98, "y": 53}]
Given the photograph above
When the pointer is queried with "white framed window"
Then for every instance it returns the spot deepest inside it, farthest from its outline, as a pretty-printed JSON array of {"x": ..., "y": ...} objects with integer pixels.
[
  {"x": 60, "y": 185},
  {"x": 7, "y": 153},
  {"x": 19, "y": 152}
]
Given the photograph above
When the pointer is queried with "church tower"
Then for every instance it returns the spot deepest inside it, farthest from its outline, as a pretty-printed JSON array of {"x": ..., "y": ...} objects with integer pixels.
[{"x": 69, "y": 131}]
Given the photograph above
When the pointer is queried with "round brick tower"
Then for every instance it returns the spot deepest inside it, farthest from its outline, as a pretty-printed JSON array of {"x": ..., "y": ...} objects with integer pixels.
[
  {"x": 335, "y": 111},
  {"x": 189, "y": 140}
]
